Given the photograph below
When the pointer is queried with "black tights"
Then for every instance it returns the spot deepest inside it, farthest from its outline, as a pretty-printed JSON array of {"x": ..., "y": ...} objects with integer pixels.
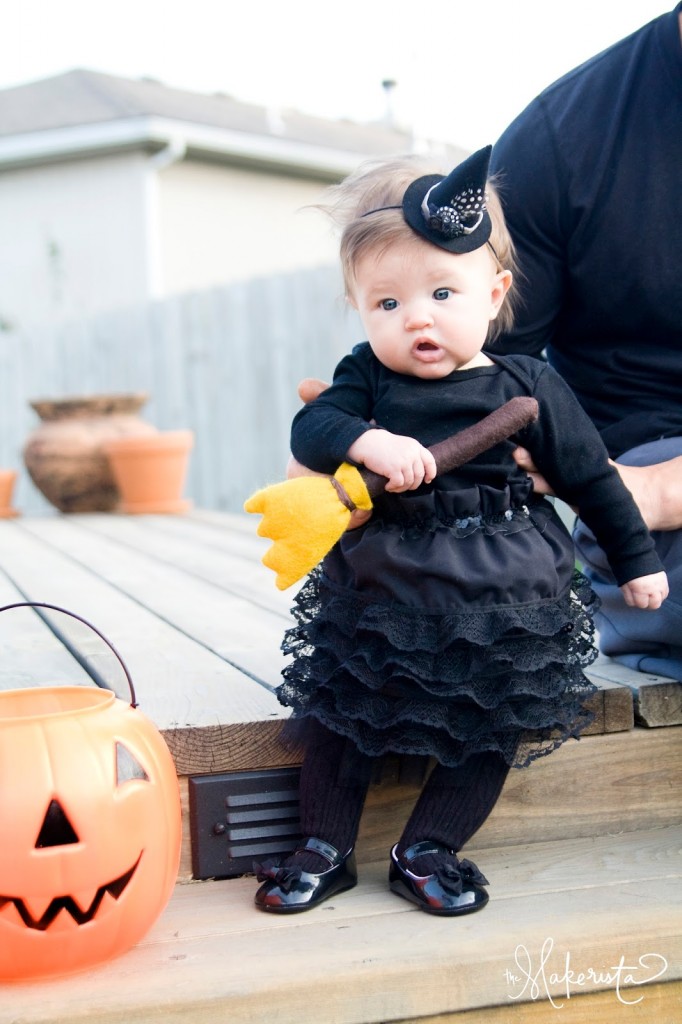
[
  {"x": 455, "y": 802},
  {"x": 335, "y": 777},
  {"x": 453, "y": 805}
]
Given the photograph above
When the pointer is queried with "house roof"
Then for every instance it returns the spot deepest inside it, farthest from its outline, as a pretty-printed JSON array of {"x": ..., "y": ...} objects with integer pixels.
[{"x": 82, "y": 112}]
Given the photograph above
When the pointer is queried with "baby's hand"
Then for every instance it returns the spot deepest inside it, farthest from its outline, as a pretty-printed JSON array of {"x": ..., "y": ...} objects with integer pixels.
[
  {"x": 403, "y": 460},
  {"x": 646, "y": 591}
]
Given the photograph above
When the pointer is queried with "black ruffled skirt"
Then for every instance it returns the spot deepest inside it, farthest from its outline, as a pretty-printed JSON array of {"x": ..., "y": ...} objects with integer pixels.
[{"x": 444, "y": 632}]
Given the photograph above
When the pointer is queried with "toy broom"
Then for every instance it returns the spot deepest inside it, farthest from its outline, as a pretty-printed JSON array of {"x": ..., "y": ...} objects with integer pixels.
[{"x": 305, "y": 516}]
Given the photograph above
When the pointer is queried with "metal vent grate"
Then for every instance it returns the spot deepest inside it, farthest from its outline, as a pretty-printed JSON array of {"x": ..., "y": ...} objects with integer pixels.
[{"x": 239, "y": 817}]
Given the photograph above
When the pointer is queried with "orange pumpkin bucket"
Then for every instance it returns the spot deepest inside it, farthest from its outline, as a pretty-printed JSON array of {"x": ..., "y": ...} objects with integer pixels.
[{"x": 91, "y": 842}]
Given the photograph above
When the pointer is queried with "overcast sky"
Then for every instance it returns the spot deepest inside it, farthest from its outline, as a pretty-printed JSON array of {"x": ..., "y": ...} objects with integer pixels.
[{"x": 464, "y": 69}]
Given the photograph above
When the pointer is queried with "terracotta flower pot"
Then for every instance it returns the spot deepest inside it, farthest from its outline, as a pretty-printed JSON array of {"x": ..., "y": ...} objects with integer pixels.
[
  {"x": 65, "y": 457},
  {"x": 7, "y": 479},
  {"x": 150, "y": 472}
]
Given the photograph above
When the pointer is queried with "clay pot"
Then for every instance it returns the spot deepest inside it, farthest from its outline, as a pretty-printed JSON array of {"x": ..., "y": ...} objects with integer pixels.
[
  {"x": 150, "y": 472},
  {"x": 64, "y": 455},
  {"x": 7, "y": 480}
]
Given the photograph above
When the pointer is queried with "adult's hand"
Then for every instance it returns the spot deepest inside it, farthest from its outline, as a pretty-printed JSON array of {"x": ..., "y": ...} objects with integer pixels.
[
  {"x": 310, "y": 388},
  {"x": 657, "y": 489},
  {"x": 525, "y": 460}
]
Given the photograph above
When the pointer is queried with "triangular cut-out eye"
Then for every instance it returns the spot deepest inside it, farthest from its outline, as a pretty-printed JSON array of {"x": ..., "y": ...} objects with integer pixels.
[
  {"x": 127, "y": 766},
  {"x": 56, "y": 829}
]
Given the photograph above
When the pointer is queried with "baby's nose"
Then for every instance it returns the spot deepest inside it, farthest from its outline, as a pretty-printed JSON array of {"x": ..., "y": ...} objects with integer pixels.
[{"x": 418, "y": 315}]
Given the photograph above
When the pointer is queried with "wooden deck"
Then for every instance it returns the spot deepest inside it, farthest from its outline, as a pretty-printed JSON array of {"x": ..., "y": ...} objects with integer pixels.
[
  {"x": 199, "y": 623},
  {"x": 370, "y": 956}
]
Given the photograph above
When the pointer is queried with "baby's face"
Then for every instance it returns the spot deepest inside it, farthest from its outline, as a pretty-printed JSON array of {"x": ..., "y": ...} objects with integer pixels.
[{"x": 426, "y": 311}]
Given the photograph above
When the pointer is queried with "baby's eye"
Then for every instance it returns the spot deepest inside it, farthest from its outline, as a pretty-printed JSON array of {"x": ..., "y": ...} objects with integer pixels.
[
  {"x": 389, "y": 304},
  {"x": 441, "y": 293}
]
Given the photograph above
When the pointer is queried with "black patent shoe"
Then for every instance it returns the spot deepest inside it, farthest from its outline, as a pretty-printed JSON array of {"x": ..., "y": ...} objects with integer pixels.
[
  {"x": 287, "y": 890},
  {"x": 456, "y": 888}
]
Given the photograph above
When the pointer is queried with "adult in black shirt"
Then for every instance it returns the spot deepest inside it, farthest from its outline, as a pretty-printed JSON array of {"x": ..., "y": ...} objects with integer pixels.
[{"x": 590, "y": 176}]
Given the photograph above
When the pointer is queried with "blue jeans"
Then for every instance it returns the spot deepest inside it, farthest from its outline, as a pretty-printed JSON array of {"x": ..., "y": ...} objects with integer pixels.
[{"x": 650, "y": 641}]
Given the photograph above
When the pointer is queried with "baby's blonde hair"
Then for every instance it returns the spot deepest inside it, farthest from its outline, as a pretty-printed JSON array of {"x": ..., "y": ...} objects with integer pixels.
[{"x": 376, "y": 185}]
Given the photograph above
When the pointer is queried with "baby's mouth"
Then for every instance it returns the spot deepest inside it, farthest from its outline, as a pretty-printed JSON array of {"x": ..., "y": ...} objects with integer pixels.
[{"x": 426, "y": 346}]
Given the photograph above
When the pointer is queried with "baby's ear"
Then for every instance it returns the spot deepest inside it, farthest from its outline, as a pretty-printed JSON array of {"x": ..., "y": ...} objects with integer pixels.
[{"x": 501, "y": 286}]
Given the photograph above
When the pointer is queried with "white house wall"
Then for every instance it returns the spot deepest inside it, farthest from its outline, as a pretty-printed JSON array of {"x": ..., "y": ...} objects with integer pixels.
[
  {"x": 73, "y": 239},
  {"x": 220, "y": 224}
]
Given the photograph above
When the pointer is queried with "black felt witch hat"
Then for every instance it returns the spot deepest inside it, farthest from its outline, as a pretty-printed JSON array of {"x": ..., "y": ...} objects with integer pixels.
[{"x": 451, "y": 212}]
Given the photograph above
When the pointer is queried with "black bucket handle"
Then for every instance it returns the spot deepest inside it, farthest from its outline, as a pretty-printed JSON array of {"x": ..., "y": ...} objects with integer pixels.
[{"x": 65, "y": 611}]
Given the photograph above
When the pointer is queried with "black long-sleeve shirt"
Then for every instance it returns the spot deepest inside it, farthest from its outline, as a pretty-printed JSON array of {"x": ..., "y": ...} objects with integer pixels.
[
  {"x": 591, "y": 184},
  {"x": 563, "y": 442}
]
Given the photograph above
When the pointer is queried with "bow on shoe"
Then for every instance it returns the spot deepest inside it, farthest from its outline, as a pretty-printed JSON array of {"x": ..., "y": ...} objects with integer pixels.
[
  {"x": 283, "y": 876},
  {"x": 452, "y": 876}
]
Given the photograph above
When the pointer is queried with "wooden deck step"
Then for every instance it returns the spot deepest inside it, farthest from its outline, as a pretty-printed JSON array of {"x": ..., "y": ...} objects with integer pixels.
[
  {"x": 657, "y": 699},
  {"x": 588, "y": 904},
  {"x": 600, "y": 785}
]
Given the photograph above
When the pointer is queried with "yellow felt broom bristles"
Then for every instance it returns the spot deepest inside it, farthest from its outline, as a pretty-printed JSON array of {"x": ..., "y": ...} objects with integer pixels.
[{"x": 304, "y": 518}]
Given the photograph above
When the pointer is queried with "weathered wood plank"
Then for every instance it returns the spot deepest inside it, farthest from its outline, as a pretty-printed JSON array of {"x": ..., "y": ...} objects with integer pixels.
[
  {"x": 613, "y": 707},
  {"x": 370, "y": 957},
  {"x": 181, "y": 684},
  {"x": 523, "y": 871},
  {"x": 30, "y": 654},
  {"x": 245, "y": 746},
  {"x": 619, "y": 782},
  {"x": 657, "y": 699},
  {"x": 238, "y": 573},
  {"x": 661, "y": 1003},
  {"x": 237, "y": 522},
  {"x": 235, "y": 534},
  {"x": 604, "y": 785},
  {"x": 246, "y": 636},
  {"x": 598, "y": 786},
  {"x": 659, "y": 703}
]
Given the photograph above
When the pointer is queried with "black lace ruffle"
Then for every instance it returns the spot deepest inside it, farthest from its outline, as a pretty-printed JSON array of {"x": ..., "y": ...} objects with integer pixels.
[{"x": 393, "y": 679}]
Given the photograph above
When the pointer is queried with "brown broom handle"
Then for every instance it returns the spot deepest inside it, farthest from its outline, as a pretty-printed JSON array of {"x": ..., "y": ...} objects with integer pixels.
[{"x": 468, "y": 443}]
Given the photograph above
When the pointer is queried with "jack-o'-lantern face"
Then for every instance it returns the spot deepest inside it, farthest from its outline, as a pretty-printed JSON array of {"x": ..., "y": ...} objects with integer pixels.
[
  {"x": 57, "y": 831},
  {"x": 91, "y": 820}
]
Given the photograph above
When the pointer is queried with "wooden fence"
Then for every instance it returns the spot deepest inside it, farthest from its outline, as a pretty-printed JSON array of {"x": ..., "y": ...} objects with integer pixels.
[{"x": 223, "y": 362}]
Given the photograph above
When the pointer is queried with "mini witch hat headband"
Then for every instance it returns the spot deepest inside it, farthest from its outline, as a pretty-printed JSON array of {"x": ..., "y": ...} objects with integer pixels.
[{"x": 450, "y": 212}]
